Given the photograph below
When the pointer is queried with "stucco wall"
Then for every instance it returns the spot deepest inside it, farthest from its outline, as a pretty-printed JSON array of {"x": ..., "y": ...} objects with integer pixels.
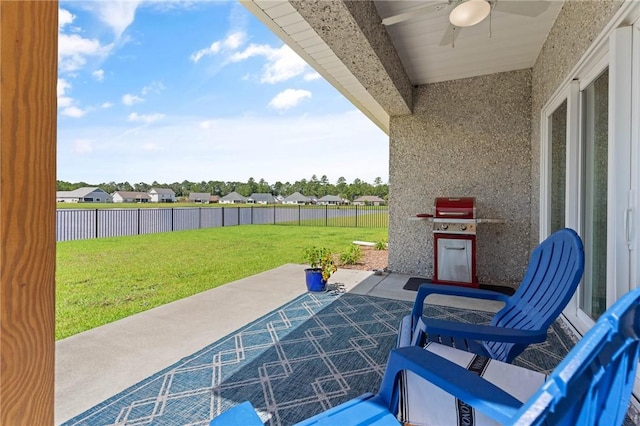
[
  {"x": 468, "y": 137},
  {"x": 575, "y": 29}
]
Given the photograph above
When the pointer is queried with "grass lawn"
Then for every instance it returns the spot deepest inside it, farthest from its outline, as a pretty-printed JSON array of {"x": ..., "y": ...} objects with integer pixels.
[{"x": 102, "y": 280}]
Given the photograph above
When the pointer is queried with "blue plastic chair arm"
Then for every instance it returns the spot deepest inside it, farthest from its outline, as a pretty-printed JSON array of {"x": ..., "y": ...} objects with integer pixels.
[
  {"x": 483, "y": 332},
  {"x": 452, "y": 378},
  {"x": 242, "y": 414},
  {"x": 367, "y": 409},
  {"x": 450, "y": 290}
]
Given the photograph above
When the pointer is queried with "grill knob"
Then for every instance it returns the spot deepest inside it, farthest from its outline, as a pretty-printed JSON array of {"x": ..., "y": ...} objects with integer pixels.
[
  {"x": 463, "y": 227},
  {"x": 445, "y": 226}
]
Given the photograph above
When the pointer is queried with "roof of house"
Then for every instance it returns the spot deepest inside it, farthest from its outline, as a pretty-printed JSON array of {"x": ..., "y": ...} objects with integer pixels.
[
  {"x": 199, "y": 196},
  {"x": 370, "y": 198},
  {"x": 133, "y": 194},
  {"x": 296, "y": 196},
  {"x": 78, "y": 193},
  {"x": 265, "y": 197},
  {"x": 162, "y": 191},
  {"x": 330, "y": 198},
  {"x": 233, "y": 196}
]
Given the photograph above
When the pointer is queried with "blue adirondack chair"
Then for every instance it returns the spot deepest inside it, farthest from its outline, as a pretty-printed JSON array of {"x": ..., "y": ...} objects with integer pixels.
[
  {"x": 591, "y": 386},
  {"x": 554, "y": 271}
]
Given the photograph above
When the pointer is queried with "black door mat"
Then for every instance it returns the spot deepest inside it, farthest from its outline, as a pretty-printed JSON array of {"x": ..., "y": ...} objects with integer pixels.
[{"x": 414, "y": 282}]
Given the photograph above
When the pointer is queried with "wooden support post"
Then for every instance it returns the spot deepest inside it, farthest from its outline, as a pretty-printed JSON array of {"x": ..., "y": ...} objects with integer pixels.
[{"x": 28, "y": 77}]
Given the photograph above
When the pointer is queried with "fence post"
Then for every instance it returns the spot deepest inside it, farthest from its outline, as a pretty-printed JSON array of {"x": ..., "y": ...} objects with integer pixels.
[
  {"x": 299, "y": 215},
  {"x": 172, "y": 218},
  {"x": 96, "y": 223},
  {"x": 199, "y": 217},
  {"x": 223, "y": 216},
  {"x": 252, "y": 215},
  {"x": 274, "y": 214},
  {"x": 138, "y": 220},
  {"x": 239, "y": 215},
  {"x": 326, "y": 215},
  {"x": 356, "y": 215}
]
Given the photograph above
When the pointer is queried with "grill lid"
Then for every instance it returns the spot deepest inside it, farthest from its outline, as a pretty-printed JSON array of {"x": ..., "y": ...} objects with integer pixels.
[{"x": 455, "y": 208}]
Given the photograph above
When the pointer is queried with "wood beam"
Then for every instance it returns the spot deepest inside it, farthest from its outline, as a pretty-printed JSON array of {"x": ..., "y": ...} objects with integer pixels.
[{"x": 28, "y": 77}]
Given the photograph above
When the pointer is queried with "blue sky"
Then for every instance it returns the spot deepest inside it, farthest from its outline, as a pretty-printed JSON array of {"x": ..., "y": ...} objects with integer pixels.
[{"x": 175, "y": 90}]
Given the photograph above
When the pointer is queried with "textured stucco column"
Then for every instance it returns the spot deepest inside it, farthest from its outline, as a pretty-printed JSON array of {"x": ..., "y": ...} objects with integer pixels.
[
  {"x": 356, "y": 35},
  {"x": 466, "y": 137},
  {"x": 575, "y": 29}
]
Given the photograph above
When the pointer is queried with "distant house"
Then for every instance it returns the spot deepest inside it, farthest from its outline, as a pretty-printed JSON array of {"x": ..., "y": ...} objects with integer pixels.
[
  {"x": 331, "y": 200},
  {"x": 296, "y": 198},
  {"x": 214, "y": 199},
  {"x": 261, "y": 198},
  {"x": 200, "y": 197},
  {"x": 83, "y": 195},
  {"x": 162, "y": 195},
  {"x": 233, "y": 198},
  {"x": 130, "y": 197},
  {"x": 369, "y": 200}
]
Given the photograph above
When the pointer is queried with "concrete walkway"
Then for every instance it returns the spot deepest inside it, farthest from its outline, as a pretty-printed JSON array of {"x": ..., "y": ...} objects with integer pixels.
[{"x": 94, "y": 365}]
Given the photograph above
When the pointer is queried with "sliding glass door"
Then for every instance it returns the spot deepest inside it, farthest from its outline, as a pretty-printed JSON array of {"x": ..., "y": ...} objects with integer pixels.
[
  {"x": 595, "y": 102},
  {"x": 589, "y": 152},
  {"x": 558, "y": 122}
]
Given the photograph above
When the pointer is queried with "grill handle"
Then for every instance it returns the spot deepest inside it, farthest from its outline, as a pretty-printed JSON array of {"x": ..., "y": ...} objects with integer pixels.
[
  {"x": 452, "y": 213},
  {"x": 453, "y": 248}
]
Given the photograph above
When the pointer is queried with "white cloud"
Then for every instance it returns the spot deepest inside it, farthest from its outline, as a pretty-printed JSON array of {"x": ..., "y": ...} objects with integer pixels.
[
  {"x": 289, "y": 98},
  {"x": 98, "y": 75},
  {"x": 150, "y": 146},
  {"x": 207, "y": 124},
  {"x": 154, "y": 87},
  {"x": 282, "y": 63},
  {"x": 231, "y": 42},
  {"x": 279, "y": 148},
  {"x": 62, "y": 87},
  {"x": 72, "y": 111},
  {"x": 66, "y": 102},
  {"x": 130, "y": 99},
  {"x": 82, "y": 146},
  {"x": 311, "y": 76},
  {"x": 145, "y": 118},
  {"x": 74, "y": 49},
  {"x": 106, "y": 105},
  {"x": 64, "y": 17},
  {"x": 118, "y": 15}
]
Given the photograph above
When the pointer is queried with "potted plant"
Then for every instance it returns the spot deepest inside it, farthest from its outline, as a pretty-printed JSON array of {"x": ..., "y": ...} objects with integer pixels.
[{"x": 321, "y": 264}]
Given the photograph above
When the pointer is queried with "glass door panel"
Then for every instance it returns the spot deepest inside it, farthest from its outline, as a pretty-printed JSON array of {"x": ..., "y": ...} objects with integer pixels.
[
  {"x": 595, "y": 143},
  {"x": 558, "y": 166}
]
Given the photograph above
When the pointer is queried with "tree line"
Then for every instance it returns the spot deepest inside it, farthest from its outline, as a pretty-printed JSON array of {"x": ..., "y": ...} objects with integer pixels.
[{"x": 312, "y": 187}]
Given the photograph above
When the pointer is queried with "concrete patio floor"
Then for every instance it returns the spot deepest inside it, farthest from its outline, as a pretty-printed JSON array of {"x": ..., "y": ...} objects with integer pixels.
[{"x": 94, "y": 365}]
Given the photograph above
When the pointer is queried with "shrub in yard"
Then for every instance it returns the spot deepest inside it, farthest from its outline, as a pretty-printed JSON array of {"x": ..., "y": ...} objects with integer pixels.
[
  {"x": 352, "y": 255},
  {"x": 380, "y": 245}
]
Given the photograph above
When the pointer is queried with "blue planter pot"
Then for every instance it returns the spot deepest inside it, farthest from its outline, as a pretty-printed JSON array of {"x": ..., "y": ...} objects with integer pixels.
[{"x": 314, "y": 280}]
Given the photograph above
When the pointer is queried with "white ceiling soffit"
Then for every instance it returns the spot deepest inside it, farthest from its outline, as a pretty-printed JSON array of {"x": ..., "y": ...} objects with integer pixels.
[
  {"x": 281, "y": 18},
  {"x": 418, "y": 28}
]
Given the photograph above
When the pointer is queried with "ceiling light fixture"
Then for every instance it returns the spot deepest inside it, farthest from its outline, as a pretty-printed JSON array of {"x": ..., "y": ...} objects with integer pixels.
[{"x": 469, "y": 13}]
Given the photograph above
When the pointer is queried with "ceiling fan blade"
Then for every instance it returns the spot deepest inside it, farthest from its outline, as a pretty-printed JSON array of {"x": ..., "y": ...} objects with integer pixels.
[
  {"x": 450, "y": 35},
  {"x": 423, "y": 9},
  {"x": 522, "y": 7}
]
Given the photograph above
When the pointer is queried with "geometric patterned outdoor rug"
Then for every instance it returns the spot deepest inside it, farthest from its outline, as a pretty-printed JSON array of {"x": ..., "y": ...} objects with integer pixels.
[{"x": 311, "y": 354}]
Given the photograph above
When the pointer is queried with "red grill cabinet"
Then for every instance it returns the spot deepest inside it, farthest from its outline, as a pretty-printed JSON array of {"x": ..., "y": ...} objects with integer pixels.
[{"x": 454, "y": 241}]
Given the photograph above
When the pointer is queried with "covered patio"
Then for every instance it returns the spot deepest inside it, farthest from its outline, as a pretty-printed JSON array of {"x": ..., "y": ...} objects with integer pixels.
[
  {"x": 134, "y": 370},
  {"x": 544, "y": 137}
]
